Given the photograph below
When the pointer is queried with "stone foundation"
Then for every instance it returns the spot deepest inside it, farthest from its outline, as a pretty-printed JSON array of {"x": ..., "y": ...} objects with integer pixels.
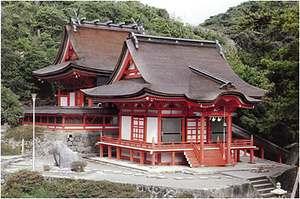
[
  {"x": 235, "y": 191},
  {"x": 82, "y": 142}
]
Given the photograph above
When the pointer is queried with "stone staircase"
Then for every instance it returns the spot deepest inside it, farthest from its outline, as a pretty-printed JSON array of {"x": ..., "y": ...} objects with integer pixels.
[
  {"x": 262, "y": 186},
  {"x": 212, "y": 157}
]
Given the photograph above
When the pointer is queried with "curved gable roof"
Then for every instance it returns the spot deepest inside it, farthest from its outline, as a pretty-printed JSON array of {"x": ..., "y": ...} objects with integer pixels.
[
  {"x": 97, "y": 47},
  {"x": 165, "y": 64}
]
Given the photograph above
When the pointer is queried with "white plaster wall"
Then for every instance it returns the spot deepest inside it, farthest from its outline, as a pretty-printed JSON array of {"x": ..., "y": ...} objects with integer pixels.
[
  {"x": 152, "y": 128},
  {"x": 126, "y": 127},
  {"x": 64, "y": 101},
  {"x": 72, "y": 99},
  {"x": 125, "y": 152},
  {"x": 166, "y": 157}
]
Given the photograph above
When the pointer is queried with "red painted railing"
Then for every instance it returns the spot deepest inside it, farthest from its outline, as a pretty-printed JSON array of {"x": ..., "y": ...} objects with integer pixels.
[
  {"x": 241, "y": 142},
  {"x": 171, "y": 145},
  {"x": 197, "y": 153}
]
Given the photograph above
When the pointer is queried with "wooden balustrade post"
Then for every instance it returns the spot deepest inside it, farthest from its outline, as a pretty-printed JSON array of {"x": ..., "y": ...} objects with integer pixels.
[
  {"x": 101, "y": 136},
  {"x": 153, "y": 142},
  {"x": 251, "y": 140},
  {"x": 218, "y": 139}
]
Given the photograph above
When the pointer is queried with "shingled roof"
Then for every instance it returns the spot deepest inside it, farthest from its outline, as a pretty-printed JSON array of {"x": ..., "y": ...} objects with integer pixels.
[
  {"x": 97, "y": 46},
  {"x": 173, "y": 67}
]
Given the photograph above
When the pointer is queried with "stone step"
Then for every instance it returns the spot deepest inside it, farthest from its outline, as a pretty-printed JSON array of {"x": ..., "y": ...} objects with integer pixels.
[
  {"x": 260, "y": 181},
  {"x": 266, "y": 190},
  {"x": 258, "y": 178},
  {"x": 263, "y": 186}
]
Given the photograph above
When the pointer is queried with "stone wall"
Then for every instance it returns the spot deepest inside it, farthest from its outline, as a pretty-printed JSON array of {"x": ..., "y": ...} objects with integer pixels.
[
  {"x": 236, "y": 191},
  {"x": 82, "y": 142}
]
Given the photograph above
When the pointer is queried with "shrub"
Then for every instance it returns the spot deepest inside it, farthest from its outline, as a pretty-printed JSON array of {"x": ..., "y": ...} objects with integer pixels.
[
  {"x": 78, "y": 166},
  {"x": 23, "y": 132},
  {"x": 21, "y": 182},
  {"x": 9, "y": 150},
  {"x": 185, "y": 195}
]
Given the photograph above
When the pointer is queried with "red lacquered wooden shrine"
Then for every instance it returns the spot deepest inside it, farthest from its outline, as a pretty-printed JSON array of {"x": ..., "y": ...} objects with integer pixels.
[{"x": 176, "y": 99}]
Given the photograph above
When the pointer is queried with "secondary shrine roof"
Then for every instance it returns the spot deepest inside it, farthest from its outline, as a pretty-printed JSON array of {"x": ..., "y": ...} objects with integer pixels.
[
  {"x": 173, "y": 67},
  {"x": 96, "y": 45}
]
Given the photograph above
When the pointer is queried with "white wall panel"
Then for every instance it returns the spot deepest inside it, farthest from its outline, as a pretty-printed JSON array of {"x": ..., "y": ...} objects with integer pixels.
[
  {"x": 126, "y": 128},
  {"x": 152, "y": 128},
  {"x": 72, "y": 99},
  {"x": 64, "y": 101}
]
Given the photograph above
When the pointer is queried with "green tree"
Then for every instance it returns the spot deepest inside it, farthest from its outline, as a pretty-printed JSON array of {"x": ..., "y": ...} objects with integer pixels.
[{"x": 11, "y": 110}]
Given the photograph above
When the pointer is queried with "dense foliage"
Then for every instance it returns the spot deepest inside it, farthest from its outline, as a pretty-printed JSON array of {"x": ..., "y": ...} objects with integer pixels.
[
  {"x": 267, "y": 39},
  {"x": 11, "y": 110},
  {"x": 29, "y": 184}
]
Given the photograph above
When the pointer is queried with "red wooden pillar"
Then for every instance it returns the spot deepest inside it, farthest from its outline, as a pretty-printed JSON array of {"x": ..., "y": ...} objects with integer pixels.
[
  {"x": 229, "y": 136},
  {"x": 235, "y": 156},
  {"x": 59, "y": 93},
  {"x": 131, "y": 155},
  {"x": 202, "y": 140},
  {"x": 251, "y": 155},
  {"x": 90, "y": 102},
  {"x": 245, "y": 152},
  {"x": 159, "y": 128},
  {"x": 141, "y": 158},
  {"x": 118, "y": 153},
  {"x": 152, "y": 159},
  {"x": 280, "y": 159},
  {"x": 173, "y": 158},
  {"x": 109, "y": 152},
  {"x": 262, "y": 153},
  {"x": 101, "y": 150}
]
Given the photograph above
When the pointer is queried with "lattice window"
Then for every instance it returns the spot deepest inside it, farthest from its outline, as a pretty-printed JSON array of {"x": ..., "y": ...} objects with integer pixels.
[
  {"x": 193, "y": 130},
  {"x": 138, "y": 124}
]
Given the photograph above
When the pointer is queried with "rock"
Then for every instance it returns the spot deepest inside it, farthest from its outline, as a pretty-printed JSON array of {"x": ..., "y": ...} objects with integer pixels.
[{"x": 63, "y": 156}]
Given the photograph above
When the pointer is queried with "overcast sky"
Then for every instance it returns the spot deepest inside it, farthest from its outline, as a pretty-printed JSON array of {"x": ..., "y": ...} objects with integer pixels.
[{"x": 193, "y": 11}]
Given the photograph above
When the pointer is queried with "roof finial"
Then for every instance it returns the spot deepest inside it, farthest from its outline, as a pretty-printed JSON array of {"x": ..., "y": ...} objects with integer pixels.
[
  {"x": 77, "y": 19},
  {"x": 135, "y": 25},
  {"x": 134, "y": 40},
  {"x": 219, "y": 47}
]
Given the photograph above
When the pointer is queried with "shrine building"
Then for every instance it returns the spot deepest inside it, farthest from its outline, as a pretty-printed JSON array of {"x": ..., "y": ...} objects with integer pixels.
[
  {"x": 176, "y": 99},
  {"x": 151, "y": 99},
  {"x": 87, "y": 56}
]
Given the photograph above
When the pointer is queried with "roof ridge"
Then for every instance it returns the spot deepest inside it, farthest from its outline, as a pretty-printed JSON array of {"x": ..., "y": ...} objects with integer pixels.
[
  {"x": 173, "y": 40},
  {"x": 225, "y": 83}
]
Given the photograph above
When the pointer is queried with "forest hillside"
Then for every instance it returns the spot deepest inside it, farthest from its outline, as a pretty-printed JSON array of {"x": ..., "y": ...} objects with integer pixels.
[{"x": 260, "y": 41}]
